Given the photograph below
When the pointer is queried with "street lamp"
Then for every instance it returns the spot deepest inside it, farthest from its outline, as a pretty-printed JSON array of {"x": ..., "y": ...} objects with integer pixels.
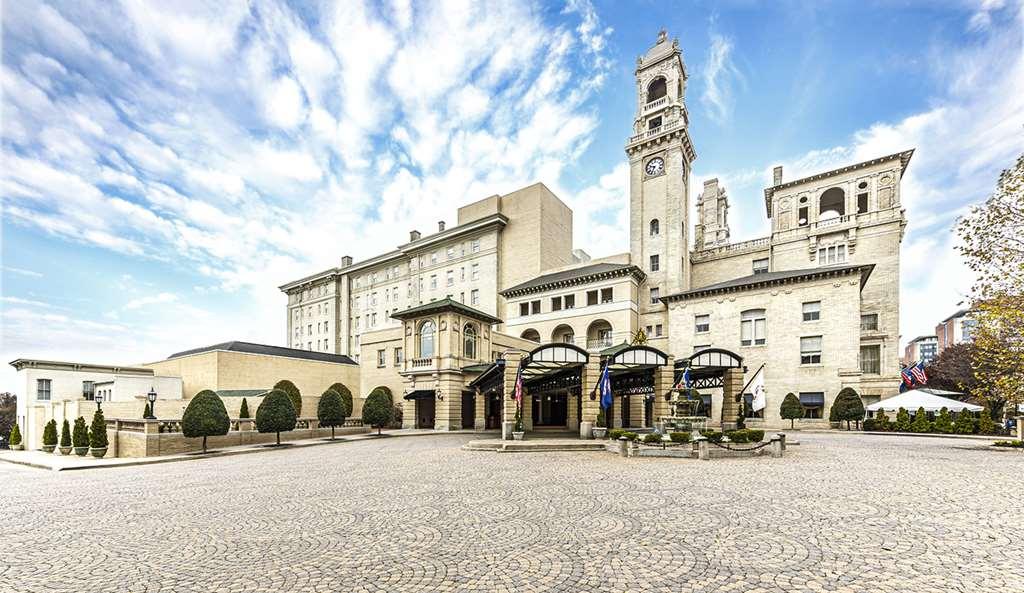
[
  {"x": 152, "y": 403},
  {"x": 99, "y": 399}
]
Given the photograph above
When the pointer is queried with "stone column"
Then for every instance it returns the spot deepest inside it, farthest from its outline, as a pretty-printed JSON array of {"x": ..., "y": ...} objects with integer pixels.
[
  {"x": 448, "y": 412},
  {"x": 664, "y": 380},
  {"x": 508, "y": 404},
  {"x": 703, "y": 451},
  {"x": 589, "y": 376},
  {"x": 617, "y": 403},
  {"x": 636, "y": 411},
  {"x": 527, "y": 410},
  {"x": 573, "y": 415},
  {"x": 479, "y": 418},
  {"x": 731, "y": 397}
]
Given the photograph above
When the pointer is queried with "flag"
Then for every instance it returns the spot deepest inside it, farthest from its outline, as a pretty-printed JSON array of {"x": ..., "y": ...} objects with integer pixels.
[
  {"x": 517, "y": 394},
  {"x": 907, "y": 376},
  {"x": 684, "y": 381},
  {"x": 918, "y": 372},
  {"x": 604, "y": 387},
  {"x": 757, "y": 389}
]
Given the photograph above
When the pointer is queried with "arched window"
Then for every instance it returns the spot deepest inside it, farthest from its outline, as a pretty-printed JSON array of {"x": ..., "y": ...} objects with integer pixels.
[
  {"x": 655, "y": 227},
  {"x": 469, "y": 341},
  {"x": 656, "y": 89},
  {"x": 832, "y": 204},
  {"x": 426, "y": 339},
  {"x": 752, "y": 327},
  {"x": 532, "y": 335}
]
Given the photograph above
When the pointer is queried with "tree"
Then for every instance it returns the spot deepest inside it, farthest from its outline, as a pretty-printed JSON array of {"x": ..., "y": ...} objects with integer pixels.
[
  {"x": 276, "y": 414},
  {"x": 944, "y": 422},
  {"x": 964, "y": 423},
  {"x": 80, "y": 434},
  {"x": 15, "y": 435},
  {"x": 346, "y": 397},
  {"x": 50, "y": 434},
  {"x": 921, "y": 423},
  {"x": 98, "y": 431},
  {"x": 848, "y": 406},
  {"x": 952, "y": 371},
  {"x": 992, "y": 244},
  {"x": 205, "y": 416},
  {"x": 293, "y": 394},
  {"x": 65, "y": 434},
  {"x": 8, "y": 412},
  {"x": 985, "y": 423},
  {"x": 902, "y": 420},
  {"x": 331, "y": 410},
  {"x": 243, "y": 412},
  {"x": 377, "y": 409},
  {"x": 882, "y": 421},
  {"x": 791, "y": 409}
]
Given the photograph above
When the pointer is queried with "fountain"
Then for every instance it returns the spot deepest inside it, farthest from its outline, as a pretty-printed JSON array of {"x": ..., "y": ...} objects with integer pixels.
[{"x": 684, "y": 404}]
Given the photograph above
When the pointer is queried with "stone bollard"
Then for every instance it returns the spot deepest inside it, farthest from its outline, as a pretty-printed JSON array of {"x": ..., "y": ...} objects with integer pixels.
[
  {"x": 506, "y": 430},
  {"x": 624, "y": 446},
  {"x": 777, "y": 444},
  {"x": 703, "y": 452},
  {"x": 586, "y": 430},
  {"x": 782, "y": 436},
  {"x": 1020, "y": 428}
]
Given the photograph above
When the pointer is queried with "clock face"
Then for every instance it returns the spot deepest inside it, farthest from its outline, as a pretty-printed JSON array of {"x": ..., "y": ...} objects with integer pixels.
[{"x": 655, "y": 166}]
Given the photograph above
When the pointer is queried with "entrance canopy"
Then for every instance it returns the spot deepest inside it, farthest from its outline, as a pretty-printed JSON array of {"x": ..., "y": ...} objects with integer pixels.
[
  {"x": 553, "y": 366},
  {"x": 420, "y": 394},
  {"x": 490, "y": 379},
  {"x": 707, "y": 367},
  {"x": 627, "y": 358},
  {"x": 922, "y": 398}
]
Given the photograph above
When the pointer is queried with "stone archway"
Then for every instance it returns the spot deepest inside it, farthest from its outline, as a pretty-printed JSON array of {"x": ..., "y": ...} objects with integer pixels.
[{"x": 716, "y": 368}]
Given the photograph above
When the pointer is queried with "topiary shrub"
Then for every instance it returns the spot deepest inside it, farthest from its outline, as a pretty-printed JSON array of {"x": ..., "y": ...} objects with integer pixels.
[
  {"x": 330, "y": 411},
  {"x": 902, "y": 420},
  {"x": 869, "y": 425},
  {"x": 944, "y": 422},
  {"x": 615, "y": 433},
  {"x": 65, "y": 434},
  {"x": 50, "y": 435},
  {"x": 714, "y": 436},
  {"x": 652, "y": 438},
  {"x": 205, "y": 416},
  {"x": 601, "y": 419},
  {"x": 630, "y": 436},
  {"x": 293, "y": 394},
  {"x": 15, "y": 435},
  {"x": 921, "y": 423},
  {"x": 517, "y": 422},
  {"x": 964, "y": 423},
  {"x": 791, "y": 409},
  {"x": 276, "y": 414},
  {"x": 882, "y": 421},
  {"x": 679, "y": 437},
  {"x": 985, "y": 423},
  {"x": 243, "y": 411},
  {"x": 378, "y": 411},
  {"x": 346, "y": 398},
  {"x": 848, "y": 406},
  {"x": 98, "y": 432},
  {"x": 80, "y": 436}
]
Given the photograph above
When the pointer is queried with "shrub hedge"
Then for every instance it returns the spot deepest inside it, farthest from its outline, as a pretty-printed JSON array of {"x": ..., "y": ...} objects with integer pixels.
[
  {"x": 679, "y": 437},
  {"x": 652, "y": 438}
]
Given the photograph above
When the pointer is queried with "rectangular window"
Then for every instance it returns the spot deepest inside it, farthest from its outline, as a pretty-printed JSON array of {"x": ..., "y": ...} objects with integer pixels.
[
  {"x": 433, "y": 257},
  {"x": 433, "y": 282},
  {"x": 591, "y": 297},
  {"x": 43, "y": 389},
  {"x": 813, "y": 403},
  {"x": 650, "y": 330},
  {"x": 462, "y": 297},
  {"x": 801, "y": 217},
  {"x": 655, "y": 293},
  {"x": 373, "y": 320},
  {"x": 88, "y": 390},
  {"x": 658, "y": 329},
  {"x": 655, "y": 261},
  {"x": 761, "y": 266},
  {"x": 451, "y": 252},
  {"x": 474, "y": 296},
  {"x": 606, "y": 295},
  {"x": 871, "y": 360},
  {"x": 752, "y": 328},
  {"x": 534, "y": 307},
  {"x": 474, "y": 245},
  {"x": 569, "y": 301},
  {"x": 398, "y": 357},
  {"x": 862, "y": 203},
  {"x": 556, "y": 303},
  {"x": 702, "y": 323},
  {"x": 474, "y": 272},
  {"x": 381, "y": 359},
  {"x": 833, "y": 254},
  {"x": 462, "y": 274},
  {"x": 869, "y": 322},
  {"x": 524, "y": 309},
  {"x": 451, "y": 278},
  {"x": 810, "y": 350},
  {"x": 812, "y": 311}
]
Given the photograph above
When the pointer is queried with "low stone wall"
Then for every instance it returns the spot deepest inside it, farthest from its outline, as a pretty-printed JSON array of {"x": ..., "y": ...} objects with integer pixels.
[{"x": 129, "y": 437}]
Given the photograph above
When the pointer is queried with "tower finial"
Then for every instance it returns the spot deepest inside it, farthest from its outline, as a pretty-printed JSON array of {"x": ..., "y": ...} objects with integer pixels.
[{"x": 662, "y": 36}]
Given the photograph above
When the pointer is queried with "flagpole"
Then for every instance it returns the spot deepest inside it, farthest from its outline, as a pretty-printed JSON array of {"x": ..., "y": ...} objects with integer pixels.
[{"x": 752, "y": 378}]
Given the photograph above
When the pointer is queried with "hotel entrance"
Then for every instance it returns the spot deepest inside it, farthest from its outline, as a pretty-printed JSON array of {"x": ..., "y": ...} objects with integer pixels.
[{"x": 551, "y": 409}]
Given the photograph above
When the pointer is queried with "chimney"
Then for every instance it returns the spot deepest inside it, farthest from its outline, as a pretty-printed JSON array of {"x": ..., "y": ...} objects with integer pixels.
[
  {"x": 777, "y": 176},
  {"x": 414, "y": 236},
  {"x": 440, "y": 226},
  {"x": 346, "y": 261}
]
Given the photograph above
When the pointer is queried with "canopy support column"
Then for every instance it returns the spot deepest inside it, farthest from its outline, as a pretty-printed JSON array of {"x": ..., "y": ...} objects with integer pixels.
[
  {"x": 664, "y": 378},
  {"x": 590, "y": 374},
  {"x": 732, "y": 399}
]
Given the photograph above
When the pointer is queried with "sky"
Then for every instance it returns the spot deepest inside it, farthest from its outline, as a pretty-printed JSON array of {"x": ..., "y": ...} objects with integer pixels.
[{"x": 166, "y": 166}]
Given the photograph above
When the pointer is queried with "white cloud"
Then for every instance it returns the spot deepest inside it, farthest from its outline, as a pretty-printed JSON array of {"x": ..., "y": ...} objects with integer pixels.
[
  {"x": 163, "y": 297},
  {"x": 284, "y": 105},
  {"x": 22, "y": 272},
  {"x": 719, "y": 76}
]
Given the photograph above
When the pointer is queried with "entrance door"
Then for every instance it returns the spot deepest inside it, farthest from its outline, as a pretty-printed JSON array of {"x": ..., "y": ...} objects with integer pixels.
[
  {"x": 551, "y": 409},
  {"x": 624, "y": 402},
  {"x": 468, "y": 409},
  {"x": 425, "y": 412},
  {"x": 492, "y": 411}
]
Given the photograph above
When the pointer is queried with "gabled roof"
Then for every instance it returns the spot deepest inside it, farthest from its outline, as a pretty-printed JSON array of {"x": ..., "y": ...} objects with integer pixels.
[
  {"x": 957, "y": 315},
  {"x": 445, "y": 305},
  {"x": 267, "y": 350},
  {"x": 771, "y": 278},
  {"x": 581, "y": 275},
  {"x": 904, "y": 158},
  {"x": 922, "y": 338},
  {"x": 932, "y": 400}
]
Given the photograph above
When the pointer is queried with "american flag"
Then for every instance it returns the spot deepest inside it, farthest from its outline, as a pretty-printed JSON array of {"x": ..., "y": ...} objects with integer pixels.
[
  {"x": 918, "y": 372},
  {"x": 518, "y": 392}
]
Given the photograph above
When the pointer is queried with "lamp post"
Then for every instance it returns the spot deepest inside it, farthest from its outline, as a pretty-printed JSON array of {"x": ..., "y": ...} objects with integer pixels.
[
  {"x": 99, "y": 400},
  {"x": 152, "y": 403}
]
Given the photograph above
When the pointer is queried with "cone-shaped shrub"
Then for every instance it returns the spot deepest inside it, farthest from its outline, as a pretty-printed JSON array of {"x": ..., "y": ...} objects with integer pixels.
[
  {"x": 15, "y": 435},
  {"x": 903, "y": 420},
  {"x": 964, "y": 422},
  {"x": 276, "y": 414},
  {"x": 377, "y": 409},
  {"x": 50, "y": 433},
  {"x": 80, "y": 434},
  {"x": 243, "y": 412},
  {"x": 601, "y": 420},
  {"x": 293, "y": 394},
  {"x": 882, "y": 421},
  {"x": 944, "y": 422},
  {"x": 205, "y": 416},
  {"x": 985, "y": 423},
  {"x": 346, "y": 398},
  {"x": 98, "y": 431},
  {"x": 65, "y": 434},
  {"x": 330, "y": 411},
  {"x": 791, "y": 408},
  {"x": 145, "y": 411},
  {"x": 921, "y": 423}
]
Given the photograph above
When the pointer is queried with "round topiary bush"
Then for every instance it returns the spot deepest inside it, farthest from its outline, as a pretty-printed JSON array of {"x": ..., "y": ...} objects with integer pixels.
[
  {"x": 276, "y": 414},
  {"x": 346, "y": 398},
  {"x": 293, "y": 394},
  {"x": 791, "y": 409},
  {"x": 205, "y": 416},
  {"x": 652, "y": 438},
  {"x": 377, "y": 409},
  {"x": 847, "y": 406},
  {"x": 331, "y": 410}
]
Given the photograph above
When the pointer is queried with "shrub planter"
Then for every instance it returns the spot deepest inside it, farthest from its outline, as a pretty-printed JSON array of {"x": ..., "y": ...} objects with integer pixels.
[
  {"x": 18, "y": 447},
  {"x": 518, "y": 436},
  {"x": 49, "y": 448},
  {"x": 81, "y": 451},
  {"x": 65, "y": 450},
  {"x": 600, "y": 432},
  {"x": 98, "y": 452}
]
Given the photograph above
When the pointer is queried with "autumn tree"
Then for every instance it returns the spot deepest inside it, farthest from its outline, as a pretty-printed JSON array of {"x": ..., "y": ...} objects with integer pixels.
[
  {"x": 992, "y": 244},
  {"x": 951, "y": 370}
]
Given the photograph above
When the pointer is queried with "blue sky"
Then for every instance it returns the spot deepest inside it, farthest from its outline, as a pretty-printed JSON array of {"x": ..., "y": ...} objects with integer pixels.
[{"x": 165, "y": 170}]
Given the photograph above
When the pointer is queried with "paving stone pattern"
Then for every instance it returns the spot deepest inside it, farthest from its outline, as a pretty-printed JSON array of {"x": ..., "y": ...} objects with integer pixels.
[{"x": 839, "y": 513}]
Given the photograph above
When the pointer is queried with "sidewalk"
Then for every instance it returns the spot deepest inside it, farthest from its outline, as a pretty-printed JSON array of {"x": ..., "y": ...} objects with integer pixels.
[{"x": 56, "y": 462}]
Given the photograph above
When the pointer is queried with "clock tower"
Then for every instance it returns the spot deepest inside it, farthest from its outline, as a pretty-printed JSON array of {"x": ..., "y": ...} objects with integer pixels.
[{"x": 660, "y": 154}]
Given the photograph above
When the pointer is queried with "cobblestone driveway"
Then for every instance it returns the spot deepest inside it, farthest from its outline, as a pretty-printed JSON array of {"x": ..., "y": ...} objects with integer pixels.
[{"x": 842, "y": 513}]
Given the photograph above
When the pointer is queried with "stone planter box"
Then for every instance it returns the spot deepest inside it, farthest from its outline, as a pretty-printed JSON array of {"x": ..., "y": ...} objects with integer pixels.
[{"x": 677, "y": 452}]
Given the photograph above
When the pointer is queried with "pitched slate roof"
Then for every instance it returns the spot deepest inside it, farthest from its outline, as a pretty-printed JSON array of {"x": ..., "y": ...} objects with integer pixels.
[
  {"x": 598, "y": 271},
  {"x": 267, "y": 350},
  {"x": 770, "y": 278},
  {"x": 446, "y": 304}
]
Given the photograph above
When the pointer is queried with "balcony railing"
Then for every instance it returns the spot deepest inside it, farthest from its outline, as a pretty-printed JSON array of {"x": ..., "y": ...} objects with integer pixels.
[
  {"x": 662, "y": 129},
  {"x": 422, "y": 363},
  {"x": 656, "y": 104}
]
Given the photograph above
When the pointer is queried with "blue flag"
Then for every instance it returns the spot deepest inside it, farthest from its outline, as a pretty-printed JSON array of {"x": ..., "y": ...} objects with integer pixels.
[{"x": 604, "y": 387}]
